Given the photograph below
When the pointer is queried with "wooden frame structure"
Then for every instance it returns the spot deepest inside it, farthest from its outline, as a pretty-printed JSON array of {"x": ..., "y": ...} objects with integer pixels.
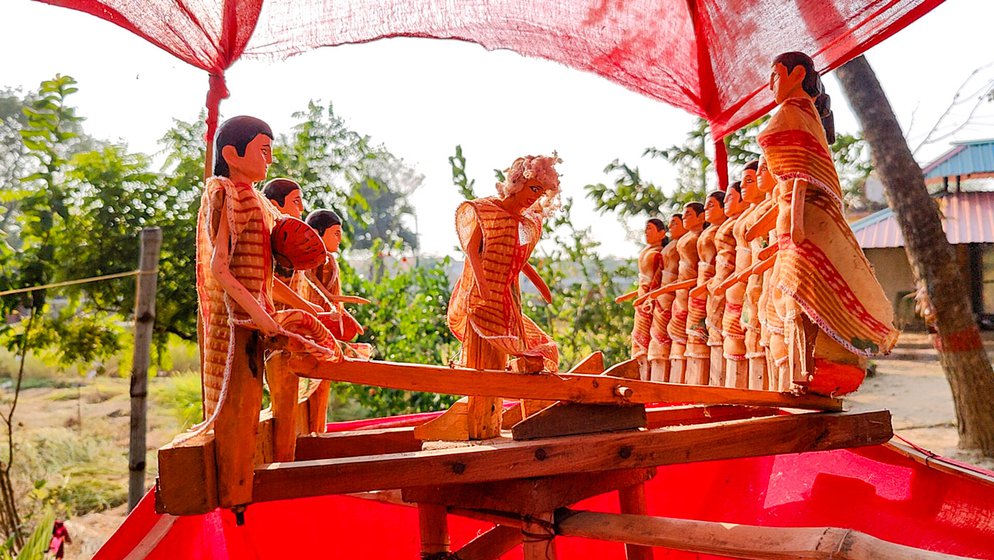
[{"x": 593, "y": 435}]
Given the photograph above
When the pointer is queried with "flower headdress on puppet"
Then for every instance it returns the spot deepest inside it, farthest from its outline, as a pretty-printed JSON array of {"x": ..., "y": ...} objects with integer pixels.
[{"x": 528, "y": 168}]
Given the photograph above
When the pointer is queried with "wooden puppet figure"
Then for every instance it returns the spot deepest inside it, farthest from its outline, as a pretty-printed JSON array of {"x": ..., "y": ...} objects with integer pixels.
[
  {"x": 650, "y": 271},
  {"x": 724, "y": 268},
  {"x": 755, "y": 352},
  {"x": 771, "y": 327},
  {"x": 498, "y": 235},
  {"x": 322, "y": 286},
  {"x": 834, "y": 311},
  {"x": 693, "y": 221},
  {"x": 698, "y": 351},
  {"x": 662, "y": 305},
  {"x": 736, "y": 363},
  {"x": 235, "y": 286}
]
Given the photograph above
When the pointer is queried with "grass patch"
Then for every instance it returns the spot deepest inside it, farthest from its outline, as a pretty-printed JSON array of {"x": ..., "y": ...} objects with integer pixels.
[
  {"x": 75, "y": 472},
  {"x": 180, "y": 394}
]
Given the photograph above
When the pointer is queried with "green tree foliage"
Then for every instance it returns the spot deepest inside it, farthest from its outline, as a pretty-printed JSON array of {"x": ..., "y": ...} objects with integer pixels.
[
  {"x": 583, "y": 317},
  {"x": 342, "y": 169},
  {"x": 632, "y": 195},
  {"x": 405, "y": 323}
]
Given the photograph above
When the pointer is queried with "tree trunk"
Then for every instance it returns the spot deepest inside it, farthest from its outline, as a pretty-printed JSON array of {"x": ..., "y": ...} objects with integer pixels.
[{"x": 961, "y": 351}]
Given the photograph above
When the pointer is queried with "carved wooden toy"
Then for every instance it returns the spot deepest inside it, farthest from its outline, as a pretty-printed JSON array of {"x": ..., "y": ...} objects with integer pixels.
[
  {"x": 662, "y": 310},
  {"x": 771, "y": 328},
  {"x": 235, "y": 287},
  {"x": 650, "y": 273},
  {"x": 698, "y": 351},
  {"x": 693, "y": 221},
  {"x": 755, "y": 351},
  {"x": 724, "y": 267},
  {"x": 498, "y": 235},
  {"x": 834, "y": 311}
]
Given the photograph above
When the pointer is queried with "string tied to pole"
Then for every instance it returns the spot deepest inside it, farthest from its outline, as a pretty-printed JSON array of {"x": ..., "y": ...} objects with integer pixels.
[{"x": 78, "y": 281}]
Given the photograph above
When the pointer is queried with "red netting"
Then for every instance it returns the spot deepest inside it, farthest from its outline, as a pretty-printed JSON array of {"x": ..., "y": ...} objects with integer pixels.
[{"x": 710, "y": 57}]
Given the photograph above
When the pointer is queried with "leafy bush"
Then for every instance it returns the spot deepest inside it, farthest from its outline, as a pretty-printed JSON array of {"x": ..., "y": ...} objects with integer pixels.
[{"x": 181, "y": 394}]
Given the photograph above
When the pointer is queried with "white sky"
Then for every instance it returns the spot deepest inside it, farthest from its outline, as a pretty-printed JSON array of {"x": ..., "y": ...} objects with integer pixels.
[{"x": 422, "y": 97}]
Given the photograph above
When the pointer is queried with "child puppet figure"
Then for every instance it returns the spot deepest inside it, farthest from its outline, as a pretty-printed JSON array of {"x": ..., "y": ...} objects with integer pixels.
[
  {"x": 650, "y": 273},
  {"x": 322, "y": 286},
  {"x": 498, "y": 235}
]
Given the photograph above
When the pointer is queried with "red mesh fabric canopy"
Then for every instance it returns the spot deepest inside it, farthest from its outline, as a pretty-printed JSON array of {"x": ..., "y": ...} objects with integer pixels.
[{"x": 710, "y": 57}]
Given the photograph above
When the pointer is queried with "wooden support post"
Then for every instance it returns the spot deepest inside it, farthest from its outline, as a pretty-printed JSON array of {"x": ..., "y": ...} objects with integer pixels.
[
  {"x": 538, "y": 537},
  {"x": 317, "y": 407},
  {"x": 632, "y": 501},
  {"x": 151, "y": 241},
  {"x": 434, "y": 530},
  {"x": 283, "y": 388},
  {"x": 238, "y": 420}
]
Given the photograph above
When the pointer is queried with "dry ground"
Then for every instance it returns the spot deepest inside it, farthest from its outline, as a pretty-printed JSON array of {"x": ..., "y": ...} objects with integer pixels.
[{"x": 915, "y": 391}]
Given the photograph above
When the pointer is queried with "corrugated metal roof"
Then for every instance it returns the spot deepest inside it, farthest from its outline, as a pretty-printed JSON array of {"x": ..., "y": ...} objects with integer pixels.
[
  {"x": 976, "y": 156},
  {"x": 966, "y": 218}
]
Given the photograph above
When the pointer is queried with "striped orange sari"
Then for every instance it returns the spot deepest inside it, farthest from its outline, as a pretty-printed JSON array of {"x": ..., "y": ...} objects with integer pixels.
[
  {"x": 508, "y": 241},
  {"x": 826, "y": 276}
]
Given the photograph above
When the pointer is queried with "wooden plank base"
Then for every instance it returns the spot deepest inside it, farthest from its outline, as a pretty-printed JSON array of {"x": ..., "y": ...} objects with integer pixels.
[
  {"x": 584, "y": 388},
  {"x": 503, "y": 459},
  {"x": 529, "y": 495}
]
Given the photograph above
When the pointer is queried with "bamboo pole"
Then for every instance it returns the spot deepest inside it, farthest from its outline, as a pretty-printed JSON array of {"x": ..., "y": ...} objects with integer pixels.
[
  {"x": 151, "y": 241},
  {"x": 738, "y": 541}
]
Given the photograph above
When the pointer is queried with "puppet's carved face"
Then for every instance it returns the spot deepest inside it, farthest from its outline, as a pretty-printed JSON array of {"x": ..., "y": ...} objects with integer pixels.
[
  {"x": 676, "y": 227},
  {"x": 691, "y": 218},
  {"x": 714, "y": 212},
  {"x": 253, "y": 165},
  {"x": 654, "y": 235},
  {"x": 750, "y": 189},
  {"x": 785, "y": 85},
  {"x": 733, "y": 201},
  {"x": 332, "y": 238},
  {"x": 293, "y": 204},
  {"x": 764, "y": 179}
]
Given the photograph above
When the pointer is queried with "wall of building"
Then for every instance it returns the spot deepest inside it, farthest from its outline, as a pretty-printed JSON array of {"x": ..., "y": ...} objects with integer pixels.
[{"x": 894, "y": 273}]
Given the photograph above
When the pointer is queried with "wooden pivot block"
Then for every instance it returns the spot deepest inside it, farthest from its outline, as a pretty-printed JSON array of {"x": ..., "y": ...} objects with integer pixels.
[
  {"x": 564, "y": 419},
  {"x": 452, "y": 425},
  {"x": 593, "y": 364},
  {"x": 187, "y": 481}
]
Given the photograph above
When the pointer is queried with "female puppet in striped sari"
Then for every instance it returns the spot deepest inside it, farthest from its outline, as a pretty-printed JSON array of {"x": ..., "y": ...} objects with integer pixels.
[
  {"x": 834, "y": 312},
  {"x": 498, "y": 235}
]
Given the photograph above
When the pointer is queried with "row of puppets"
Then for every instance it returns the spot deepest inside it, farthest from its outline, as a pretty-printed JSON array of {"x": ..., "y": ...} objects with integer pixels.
[{"x": 762, "y": 286}]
